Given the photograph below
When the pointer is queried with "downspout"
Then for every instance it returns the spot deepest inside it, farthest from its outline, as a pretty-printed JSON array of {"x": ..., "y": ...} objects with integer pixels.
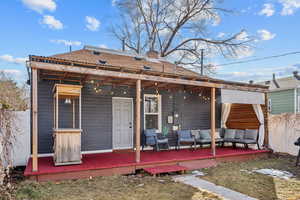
[
  {"x": 297, "y": 77},
  {"x": 295, "y": 100},
  {"x": 28, "y": 65}
]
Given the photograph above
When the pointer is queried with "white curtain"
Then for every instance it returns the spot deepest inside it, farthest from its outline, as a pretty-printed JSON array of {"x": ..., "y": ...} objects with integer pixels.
[
  {"x": 260, "y": 116},
  {"x": 225, "y": 113}
]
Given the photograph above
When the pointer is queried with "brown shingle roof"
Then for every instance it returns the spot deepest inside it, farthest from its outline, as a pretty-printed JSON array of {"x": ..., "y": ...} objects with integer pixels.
[{"x": 126, "y": 60}]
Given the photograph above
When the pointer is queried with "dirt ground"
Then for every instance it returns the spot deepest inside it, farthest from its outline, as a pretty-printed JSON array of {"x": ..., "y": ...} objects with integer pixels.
[
  {"x": 108, "y": 188},
  {"x": 239, "y": 177}
]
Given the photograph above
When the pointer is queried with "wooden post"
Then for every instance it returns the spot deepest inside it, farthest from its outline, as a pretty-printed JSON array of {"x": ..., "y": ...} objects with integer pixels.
[
  {"x": 34, "y": 120},
  {"x": 266, "y": 120},
  {"x": 79, "y": 116},
  {"x": 56, "y": 113},
  {"x": 213, "y": 120},
  {"x": 138, "y": 122},
  {"x": 73, "y": 113}
]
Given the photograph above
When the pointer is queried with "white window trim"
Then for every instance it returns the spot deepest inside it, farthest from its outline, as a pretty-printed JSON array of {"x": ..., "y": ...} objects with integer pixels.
[
  {"x": 298, "y": 103},
  {"x": 159, "y": 111}
]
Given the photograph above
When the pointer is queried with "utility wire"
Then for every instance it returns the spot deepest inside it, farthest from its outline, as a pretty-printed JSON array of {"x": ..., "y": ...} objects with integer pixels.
[{"x": 258, "y": 59}]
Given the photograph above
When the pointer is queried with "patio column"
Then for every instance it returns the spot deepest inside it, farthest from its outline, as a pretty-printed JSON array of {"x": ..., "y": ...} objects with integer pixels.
[
  {"x": 34, "y": 108},
  {"x": 138, "y": 122},
  {"x": 213, "y": 119}
]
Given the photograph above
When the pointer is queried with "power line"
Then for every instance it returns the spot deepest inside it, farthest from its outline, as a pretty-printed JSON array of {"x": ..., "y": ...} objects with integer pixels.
[{"x": 259, "y": 59}]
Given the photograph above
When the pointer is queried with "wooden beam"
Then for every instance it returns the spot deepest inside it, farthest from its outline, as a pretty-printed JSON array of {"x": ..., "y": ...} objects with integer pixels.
[
  {"x": 213, "y": 120},
  {"x": 138, "y": 122},
  {"x": 143, "y": 77},
  {"x": 99, "y": 72},
  {"x": 34, "y": 108}
]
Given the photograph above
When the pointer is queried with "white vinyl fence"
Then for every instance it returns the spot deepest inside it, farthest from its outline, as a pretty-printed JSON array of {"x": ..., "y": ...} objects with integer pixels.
[
  {"x": 21, "y": 145},
  {"x": 284, "y": 130}
]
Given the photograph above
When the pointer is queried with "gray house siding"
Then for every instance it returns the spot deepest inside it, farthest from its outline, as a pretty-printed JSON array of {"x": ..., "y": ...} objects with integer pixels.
[{"x": 193, "y": 112}]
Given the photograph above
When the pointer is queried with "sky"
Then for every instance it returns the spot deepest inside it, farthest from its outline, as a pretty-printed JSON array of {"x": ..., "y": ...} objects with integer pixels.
[{"x": 47, "y": 27}]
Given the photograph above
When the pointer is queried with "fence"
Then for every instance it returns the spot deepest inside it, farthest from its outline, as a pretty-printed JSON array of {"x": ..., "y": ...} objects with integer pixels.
[
  {"x": 284, "y": 131},
  {"x": 21, "y": 144}
]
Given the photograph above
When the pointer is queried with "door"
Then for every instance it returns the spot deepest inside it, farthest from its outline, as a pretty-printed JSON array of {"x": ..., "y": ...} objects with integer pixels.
[{"x": 122, "y": 123}]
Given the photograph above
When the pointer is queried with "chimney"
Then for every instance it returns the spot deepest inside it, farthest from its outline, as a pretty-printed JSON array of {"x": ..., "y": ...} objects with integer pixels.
[
  {"x": 296, "y": 75},
  {"x": 275, "y": 82},
  {"x": 152, "y": 54},
  {"x": 123, "y": 44},
  {"x": 251, "y": 82}
]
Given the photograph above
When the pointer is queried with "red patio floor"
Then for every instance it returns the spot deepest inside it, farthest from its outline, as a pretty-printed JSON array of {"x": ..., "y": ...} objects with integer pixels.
[{"x": 111, "y": 160}]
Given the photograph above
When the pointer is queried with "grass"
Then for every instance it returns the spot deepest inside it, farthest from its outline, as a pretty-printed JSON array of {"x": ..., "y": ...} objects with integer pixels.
[
  {"x": 236, "y": 176},
  {"x": 114, "y": 187}
]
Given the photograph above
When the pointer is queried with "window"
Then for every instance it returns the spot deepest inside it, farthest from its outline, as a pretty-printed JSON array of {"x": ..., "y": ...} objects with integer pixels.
[{"x": 152, "y": 112}]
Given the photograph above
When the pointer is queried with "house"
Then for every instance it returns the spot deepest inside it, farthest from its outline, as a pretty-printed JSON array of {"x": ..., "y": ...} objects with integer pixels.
[
  {"x": 284, "y": 94},
  {"x": 96, "y": 103}
]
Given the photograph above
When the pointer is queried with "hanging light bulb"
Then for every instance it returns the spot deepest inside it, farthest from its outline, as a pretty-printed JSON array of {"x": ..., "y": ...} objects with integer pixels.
[
  {"x": 67, "y": 101},
  {"x": 184, "y": 97}
]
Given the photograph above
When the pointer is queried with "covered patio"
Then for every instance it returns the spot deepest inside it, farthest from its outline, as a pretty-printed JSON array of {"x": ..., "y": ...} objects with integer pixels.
[{"x": 101, "y": 82}]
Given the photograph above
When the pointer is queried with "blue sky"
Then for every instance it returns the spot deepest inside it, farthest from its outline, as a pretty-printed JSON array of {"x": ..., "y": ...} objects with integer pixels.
[{"x": 44, "y": 27}]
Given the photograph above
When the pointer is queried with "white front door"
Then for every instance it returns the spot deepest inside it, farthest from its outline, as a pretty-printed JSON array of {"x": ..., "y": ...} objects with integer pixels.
[{"x": 122, "y": 123}]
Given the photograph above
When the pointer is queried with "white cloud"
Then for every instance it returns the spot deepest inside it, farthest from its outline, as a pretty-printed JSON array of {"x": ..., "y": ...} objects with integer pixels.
[
  {"x": 242, "y": 36},
  {"x": 51, "y": 22},
  {"x": 40, "y": 5},
  {"x": 67, "y": 42},
  {"x": 268, "y": 10},
  {"x": 10, "y": 59},
  {"x": 289, "y": 6},
  {"x": 265, "y": 34},
  {"x": 221, "y": 34},
  {"x": 264, "y": 73},
  {"x": 103, "y": 46},
  {"x": 11, "y": 71},
  {"x": 92, "y": 23},
  {"x": 114, "y": 2}
]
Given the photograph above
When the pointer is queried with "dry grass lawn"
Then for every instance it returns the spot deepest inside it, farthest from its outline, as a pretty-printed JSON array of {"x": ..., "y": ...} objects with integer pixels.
[
  {"x": 108, "y": 188},
  {"x": 236, "y": 176}
]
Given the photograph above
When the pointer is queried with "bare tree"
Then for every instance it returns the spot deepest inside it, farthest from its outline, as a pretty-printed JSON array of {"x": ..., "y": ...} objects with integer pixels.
[
  {"x": 177, "y": 29},
  {"x": 12, "y": 98}
]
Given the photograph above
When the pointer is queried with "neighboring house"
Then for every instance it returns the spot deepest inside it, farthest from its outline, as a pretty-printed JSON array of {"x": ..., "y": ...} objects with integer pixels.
[
  {"x": 284, "y": 95},
  {"x": 100, "y": 101}
]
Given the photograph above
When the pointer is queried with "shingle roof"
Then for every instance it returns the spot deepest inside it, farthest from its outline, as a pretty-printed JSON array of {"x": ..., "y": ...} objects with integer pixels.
[
  {"x": 284, "y": 83},
  {"x": 124, "y": 59}
]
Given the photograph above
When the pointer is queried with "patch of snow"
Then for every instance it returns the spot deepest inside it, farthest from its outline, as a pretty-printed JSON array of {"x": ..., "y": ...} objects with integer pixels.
[
  {"x": 275, "y": 173},
  {"x": 197, "y": 173}
]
